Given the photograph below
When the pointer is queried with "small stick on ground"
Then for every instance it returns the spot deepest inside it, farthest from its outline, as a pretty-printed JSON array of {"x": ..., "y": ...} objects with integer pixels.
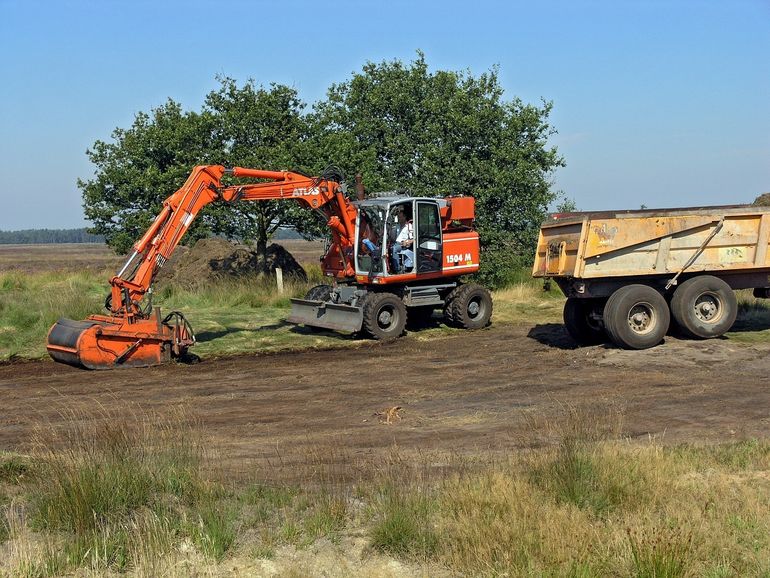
[{"x": 390, "y": 415}]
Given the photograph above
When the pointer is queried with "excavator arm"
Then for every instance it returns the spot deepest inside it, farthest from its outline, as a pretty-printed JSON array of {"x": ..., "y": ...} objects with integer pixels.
[
  {"x": 203, "y": 187},
  {"x": 134, "y": 334}
]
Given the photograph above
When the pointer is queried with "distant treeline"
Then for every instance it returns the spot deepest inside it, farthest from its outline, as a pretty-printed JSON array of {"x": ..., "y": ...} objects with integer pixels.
[{"x": 35, "y": 236}]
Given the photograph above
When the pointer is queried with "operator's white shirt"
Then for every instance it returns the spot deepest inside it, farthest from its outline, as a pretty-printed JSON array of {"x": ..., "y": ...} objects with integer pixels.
[{"x": 406, "y": 233}]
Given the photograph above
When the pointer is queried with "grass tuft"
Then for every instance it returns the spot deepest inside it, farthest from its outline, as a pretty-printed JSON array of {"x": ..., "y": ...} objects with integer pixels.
[
  {"x": 213, "y": 529},
  {"x": 13, "y": 468},
  {"x": 403, "y": 523},
  {"x": 581, "y": 472},
  {"x": 100, "y": 469},
  {"x": 660, "y": 552}
]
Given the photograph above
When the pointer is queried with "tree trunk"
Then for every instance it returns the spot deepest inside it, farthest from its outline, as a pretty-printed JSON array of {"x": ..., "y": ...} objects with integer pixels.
[{"x": 262, "y": 251}]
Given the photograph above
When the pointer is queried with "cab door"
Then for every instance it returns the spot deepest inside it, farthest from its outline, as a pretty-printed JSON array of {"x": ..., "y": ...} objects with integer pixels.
[{"x": 428, "y": 237}]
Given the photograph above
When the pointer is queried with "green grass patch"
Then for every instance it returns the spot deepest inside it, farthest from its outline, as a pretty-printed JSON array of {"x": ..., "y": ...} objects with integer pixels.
[
  {"x": 752, "y": 324},
  {"x": 229, "y": 316},
  {"x": 213, "y": 527},
  {"x": 578, "y": 471},
  {"x": 31, "y": 303},
  {"x": 13, "y": 468},
  {"x": 403, "y": 522}
]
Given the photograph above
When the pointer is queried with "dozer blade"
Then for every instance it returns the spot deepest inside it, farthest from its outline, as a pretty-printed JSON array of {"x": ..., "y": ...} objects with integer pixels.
[
  {"x": 326, "y": 315},
  {"x": 99, "y": 344}
]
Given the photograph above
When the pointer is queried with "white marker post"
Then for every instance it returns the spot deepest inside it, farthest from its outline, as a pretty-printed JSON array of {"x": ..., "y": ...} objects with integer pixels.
[{"x": 279, "y": 279}]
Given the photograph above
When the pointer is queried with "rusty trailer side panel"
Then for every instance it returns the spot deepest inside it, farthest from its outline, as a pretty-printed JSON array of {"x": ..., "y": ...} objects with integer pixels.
[{"x": 596, "y": 245}]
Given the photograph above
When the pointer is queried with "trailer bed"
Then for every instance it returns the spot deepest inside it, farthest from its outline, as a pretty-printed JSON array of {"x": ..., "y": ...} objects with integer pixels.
[{"x": 602, "y": 244}]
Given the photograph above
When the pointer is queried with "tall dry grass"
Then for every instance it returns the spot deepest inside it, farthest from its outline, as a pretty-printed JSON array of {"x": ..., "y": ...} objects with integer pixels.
[
  {"x": 126, "y": 491},
  {"x": 592, "y": 504},
  {"x": 115, "y": 489},
  {"x": 31, "y": 303}
]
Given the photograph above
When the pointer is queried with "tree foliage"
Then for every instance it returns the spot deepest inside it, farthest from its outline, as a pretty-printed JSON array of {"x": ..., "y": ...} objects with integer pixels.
[
  {"x": 39, "y": 236},
  {"x": 260, "y": 128}
]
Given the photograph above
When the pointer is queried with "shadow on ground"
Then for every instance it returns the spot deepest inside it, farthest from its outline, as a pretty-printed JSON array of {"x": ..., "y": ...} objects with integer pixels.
[
  {"x": 204, "y": 336},
  {"x": 751, "y": 319},
  {"x": 552, "y": 335}
]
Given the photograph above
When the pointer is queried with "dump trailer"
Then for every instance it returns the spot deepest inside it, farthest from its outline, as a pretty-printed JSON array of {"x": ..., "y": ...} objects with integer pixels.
[{"x": 631, "y": 275}]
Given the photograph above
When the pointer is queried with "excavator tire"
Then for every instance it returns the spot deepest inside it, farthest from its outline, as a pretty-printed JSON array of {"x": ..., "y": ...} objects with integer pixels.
[
  {"x": 471, "y": 307},
  {"x": 384, "y": 316},
  {"x": 318, "y": 293},
  {"x": 448, "y": 311}
]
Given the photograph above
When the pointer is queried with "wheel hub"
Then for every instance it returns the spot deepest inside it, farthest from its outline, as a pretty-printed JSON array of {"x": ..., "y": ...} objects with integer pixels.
[
  {"x": 707, "y": 308},
  {"x": 473, "y": 308},
  {"x": 641, "y": 318},
  {"x": 384, "y": 318}
]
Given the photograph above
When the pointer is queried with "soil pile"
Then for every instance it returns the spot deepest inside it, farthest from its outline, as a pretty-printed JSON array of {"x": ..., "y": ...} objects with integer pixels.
[{"x": 212, "y": 259}]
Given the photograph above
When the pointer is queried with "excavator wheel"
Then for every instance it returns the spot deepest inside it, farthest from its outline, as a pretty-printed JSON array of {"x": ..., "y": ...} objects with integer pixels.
[
  {"x": 471, "y": 307},
  {"x": 318, "y": 293},
  {"x": 384, "y": 316},
  {"x": 448, "y": 311}
]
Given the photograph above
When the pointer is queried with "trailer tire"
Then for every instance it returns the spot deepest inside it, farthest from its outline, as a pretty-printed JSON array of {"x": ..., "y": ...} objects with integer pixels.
[
  {"x": 471, "y": 307},
  {"x": 636, "y": 317},
  {"x": 384, "y": 316},
  {"x": 704, "y": 307},
  {"x": 579, "y": 323}
]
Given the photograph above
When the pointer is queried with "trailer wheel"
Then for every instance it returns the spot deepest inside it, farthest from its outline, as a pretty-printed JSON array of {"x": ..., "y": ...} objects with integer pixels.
[
  {"x": 580, "y": 321},
  {"x": 384, "y": 316},
  {"x": 704, "y": 306},
  {"x": 471, "y": 307},
  {"x": 636, "y": 317}
]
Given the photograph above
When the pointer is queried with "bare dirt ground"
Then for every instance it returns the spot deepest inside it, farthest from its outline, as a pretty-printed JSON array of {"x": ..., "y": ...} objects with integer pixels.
[{"x": 494, "y": 390}]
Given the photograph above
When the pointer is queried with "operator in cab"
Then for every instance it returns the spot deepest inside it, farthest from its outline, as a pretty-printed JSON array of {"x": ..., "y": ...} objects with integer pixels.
[{"x": 403, "y": 250}]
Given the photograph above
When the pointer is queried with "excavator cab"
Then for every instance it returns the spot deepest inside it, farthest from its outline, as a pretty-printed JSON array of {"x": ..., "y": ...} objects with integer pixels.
[{"x": 378, "y": 249}]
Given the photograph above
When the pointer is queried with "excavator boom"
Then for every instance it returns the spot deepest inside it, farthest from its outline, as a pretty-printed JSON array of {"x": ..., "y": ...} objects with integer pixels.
[{"x": 135, "y": 334}]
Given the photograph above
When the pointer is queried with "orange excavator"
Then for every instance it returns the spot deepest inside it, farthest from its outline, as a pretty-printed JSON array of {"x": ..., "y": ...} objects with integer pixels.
[{"x": 390, "y": 256}]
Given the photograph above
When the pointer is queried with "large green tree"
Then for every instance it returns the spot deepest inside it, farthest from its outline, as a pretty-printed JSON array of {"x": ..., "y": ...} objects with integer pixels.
[
  {"x": 444, "y": 133},
  {"x": 244, "y": 125}
]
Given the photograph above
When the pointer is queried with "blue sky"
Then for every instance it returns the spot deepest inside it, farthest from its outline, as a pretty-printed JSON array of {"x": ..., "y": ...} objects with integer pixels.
[{"x": 662, "y": 103}]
